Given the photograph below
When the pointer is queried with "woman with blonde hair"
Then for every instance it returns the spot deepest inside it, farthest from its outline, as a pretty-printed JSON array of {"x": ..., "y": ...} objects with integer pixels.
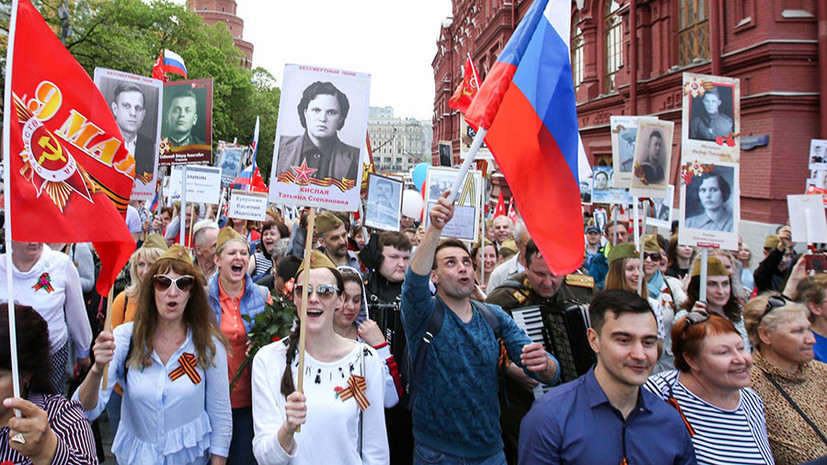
[
  {"x": 172, "y": 362},
  {"x": 791, "y": 384}
]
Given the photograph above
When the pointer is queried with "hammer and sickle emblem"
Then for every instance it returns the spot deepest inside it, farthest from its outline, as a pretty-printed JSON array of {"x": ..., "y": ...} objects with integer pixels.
[{"x": 51, "y": 151}]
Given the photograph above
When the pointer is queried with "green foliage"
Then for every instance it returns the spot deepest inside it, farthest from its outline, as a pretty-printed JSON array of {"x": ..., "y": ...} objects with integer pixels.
[{"x": 127, "y": 35}]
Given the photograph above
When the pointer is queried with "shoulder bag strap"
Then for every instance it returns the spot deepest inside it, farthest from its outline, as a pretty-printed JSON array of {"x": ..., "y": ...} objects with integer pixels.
[
  {"x": 361, "y": 413},
  {"x": 795, "y": 406}
]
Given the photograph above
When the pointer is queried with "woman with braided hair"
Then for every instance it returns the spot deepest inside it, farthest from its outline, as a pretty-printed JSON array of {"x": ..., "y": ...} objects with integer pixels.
[{"x": 342, "y": 403}]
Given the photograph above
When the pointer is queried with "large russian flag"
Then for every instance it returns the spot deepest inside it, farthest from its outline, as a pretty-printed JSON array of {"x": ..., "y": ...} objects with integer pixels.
[
  {"x": 527, "y": 104},
  {"x": 173, "y": 63}
]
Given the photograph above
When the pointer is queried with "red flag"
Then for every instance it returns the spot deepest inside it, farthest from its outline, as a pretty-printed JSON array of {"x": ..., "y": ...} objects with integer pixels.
[
  {"x": 467, "y": 89},
  {"x": 257, "y": 184},
  {"x": 500, "y": 209},
  {"x": 158, "y": 71},
  {"x": 68, "y": 166},
  {"x": 512, "y": 212}
]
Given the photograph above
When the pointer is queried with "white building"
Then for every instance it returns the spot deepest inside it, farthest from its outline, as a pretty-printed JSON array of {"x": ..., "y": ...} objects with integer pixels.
[{"x": 398, "y": 144}]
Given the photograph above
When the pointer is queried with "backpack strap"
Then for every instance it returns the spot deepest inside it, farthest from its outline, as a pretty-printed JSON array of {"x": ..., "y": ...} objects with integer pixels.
[
  {"x": 489, "y": 316},
  {"x": 433, "y": 328}
]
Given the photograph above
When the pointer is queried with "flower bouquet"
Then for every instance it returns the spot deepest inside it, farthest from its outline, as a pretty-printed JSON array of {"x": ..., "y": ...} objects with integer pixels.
[{"x": 274, "y": 323}]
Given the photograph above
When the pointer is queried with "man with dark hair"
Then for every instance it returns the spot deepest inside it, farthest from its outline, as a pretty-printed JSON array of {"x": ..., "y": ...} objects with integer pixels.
[
  {"x": 599, "y": 266},
  {"x": 322, "y": 112},
  {"x": 454, "y": 407},
  {"x": 651, "y": 162},
  {"x": 182, "y": 116},
  {"x": 386, "y": 256},
  {"x": 128, "y": 106},
  {"x": 710, "y": 123},
  {"x": 333, "y": 239},
  {"x": 536, "y": 286},
  {"x": 603, "y": 416}
]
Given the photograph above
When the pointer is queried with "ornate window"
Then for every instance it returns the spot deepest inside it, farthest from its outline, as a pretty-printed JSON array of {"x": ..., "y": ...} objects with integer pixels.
[
  {"x": 693, "y": 32},
  {"x": 577, "y": 63},
  {"x": 614, "y": 44}
]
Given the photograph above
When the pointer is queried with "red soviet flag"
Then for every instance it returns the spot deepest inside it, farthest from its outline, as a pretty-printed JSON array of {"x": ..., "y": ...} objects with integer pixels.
[
  {"x": 70, "y": 175},
  {"x": 467, "y": 89}
]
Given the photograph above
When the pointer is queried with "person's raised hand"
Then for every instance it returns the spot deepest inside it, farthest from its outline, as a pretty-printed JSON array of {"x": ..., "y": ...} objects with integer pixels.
[
  {"x": 38, "y": 441},
  {"x": 370, "y": 332},
  {"x": 534, "y": 357},
  {"x": 104, "y": 350},
  {"x": 699, "y": 307},
  {"x": 442, "y": 211},
  {"x": 295, "y": 410}
]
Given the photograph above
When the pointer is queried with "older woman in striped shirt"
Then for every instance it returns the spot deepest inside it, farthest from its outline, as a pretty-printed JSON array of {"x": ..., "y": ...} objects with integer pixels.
[{"x": 710, "y": 389}]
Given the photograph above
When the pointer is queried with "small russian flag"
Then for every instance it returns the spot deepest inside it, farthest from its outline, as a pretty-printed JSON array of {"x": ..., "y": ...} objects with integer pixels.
[{"x": 169, "y": 62}]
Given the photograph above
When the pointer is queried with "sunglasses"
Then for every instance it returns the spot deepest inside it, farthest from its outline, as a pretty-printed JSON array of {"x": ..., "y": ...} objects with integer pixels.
[
  {"x": 693, "y": 318},
  {"x": 182, "y": 283},
  {"x": 772, "y": 303},
  {"x": 655, "y": 257},
  {"x": 324, "y": 291}
]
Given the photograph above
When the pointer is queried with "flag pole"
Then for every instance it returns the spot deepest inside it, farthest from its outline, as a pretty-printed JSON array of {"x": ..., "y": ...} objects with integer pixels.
[
  {"x": 642, "y": 249},
  {"x": 7, "y": 112},
  {"x": 472, "y": 153},
  {"x": 704, "y": 262},
  {"x": 308, "y": 250},
  {"x": 182, "y": 215}
]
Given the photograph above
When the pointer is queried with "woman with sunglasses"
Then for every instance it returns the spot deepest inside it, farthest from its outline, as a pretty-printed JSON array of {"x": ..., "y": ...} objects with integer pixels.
[
  {"x": 340, "y": 410},
  {"x": 720, "y": 299},
  {"x": 710, "y": 389},
  {"x": 172, "y": 363},
  {"x": 233, "y": 296},
  {"x": 351, "y": 321},
  {"x": 667, "y": 291},
  {"x": 792, "y": 385}
]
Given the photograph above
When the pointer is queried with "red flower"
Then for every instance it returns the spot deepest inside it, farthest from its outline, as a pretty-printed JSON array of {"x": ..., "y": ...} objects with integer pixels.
[
  {"x": 275, "y": 338},
  {"x": 730, "y": 141},
  {"x": 719, "y": 140}
]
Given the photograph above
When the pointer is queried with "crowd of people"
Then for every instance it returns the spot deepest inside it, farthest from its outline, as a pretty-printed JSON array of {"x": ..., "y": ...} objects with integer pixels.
[{"x": 411, "y": 353}]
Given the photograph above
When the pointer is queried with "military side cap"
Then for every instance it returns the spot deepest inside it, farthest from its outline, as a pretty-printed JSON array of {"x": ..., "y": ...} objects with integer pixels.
[
  {"x": 227, "y": 234},
  {"x": 714, "y": 267},
  {"x": 154, "y": 241},
  {"x": 327, "y": 222},
  {"x": 620, "y": 251},
  {"x": 177, "y": 252},
  {"x": 772, "y": 242},
  {"x": 511, "y": 245},
  {"x": 651, "y": 244},
  {"x": 317, "y": 260}
]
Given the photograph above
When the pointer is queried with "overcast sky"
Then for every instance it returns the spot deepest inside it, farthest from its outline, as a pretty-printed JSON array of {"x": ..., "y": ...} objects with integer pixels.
[{"x": 392, "y": 40}]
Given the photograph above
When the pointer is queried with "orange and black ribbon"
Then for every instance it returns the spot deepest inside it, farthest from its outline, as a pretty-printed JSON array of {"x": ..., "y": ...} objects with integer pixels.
[
  {"x": 674, "y": 403},
  {"x": 355, "y": 388},
  {"x": 187, "y": 366},
  {"x": 44, "y": 282},
  {"x": 343, "y": 184}
]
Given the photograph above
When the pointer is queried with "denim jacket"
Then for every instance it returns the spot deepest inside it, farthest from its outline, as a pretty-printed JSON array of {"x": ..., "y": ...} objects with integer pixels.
[{"x": 252, "y": 302}]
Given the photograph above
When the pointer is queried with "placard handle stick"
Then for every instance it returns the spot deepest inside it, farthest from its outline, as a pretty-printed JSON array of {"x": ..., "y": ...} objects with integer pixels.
[
  {"x": 466, "y": 164},
  {"x": 704, "y": 262},
  {"x": 107, "y": 326},
  {"x": 808, "y": 228},
  {"x": 482, "y": 245},
  {"x": 308, "y": 247},
  {"x": 614, "y": 228},
  {"x": 182, "y": 221},
  {"x": 362, "y": 221},
  {"x": 642, "y": 275}
]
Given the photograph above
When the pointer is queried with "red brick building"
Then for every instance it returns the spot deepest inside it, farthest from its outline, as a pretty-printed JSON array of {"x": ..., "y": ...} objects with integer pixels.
[
  {"x": 772, "y": 46},
  {"x": 223, "y": 11}
]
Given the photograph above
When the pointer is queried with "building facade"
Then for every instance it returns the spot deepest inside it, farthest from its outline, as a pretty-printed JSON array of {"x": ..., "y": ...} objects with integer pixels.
[
  {"x": 223, "y": 11},
  {"x": 772, "y": 46},
  {"x": 398, "y": 144}
]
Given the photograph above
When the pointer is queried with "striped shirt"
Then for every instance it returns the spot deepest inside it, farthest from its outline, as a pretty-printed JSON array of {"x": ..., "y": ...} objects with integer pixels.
[
  {"x": 737, "y": 437},
  {"x": 75, "y": 443}
]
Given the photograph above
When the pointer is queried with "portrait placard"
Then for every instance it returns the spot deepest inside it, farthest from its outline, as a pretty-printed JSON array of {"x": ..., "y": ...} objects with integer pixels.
[
  {"x": 604, "y": 191},
  {"x": 229, "y": 159},
  {"x": 710, "y": 205},
  {"x": 711, "y": 118},
  {"x": 203, "y": 184},
  {"x": 818, "y": 154},
  {"x": 624, "y": 137},
  {"x": 661, "y": 215},
  {"x": 383, "y": 209},
  {"x": 136, "y": 103},
  {"x": 465, "y": 225},
  {"x": 807, "y": 221},
  {"x": 320, "y": 136},
  {"x": 586, "y": 190},
  {"x": 186, "y": 134},
  {"x": 246, "y": 205},
  {"x": 653, "y": 158}
]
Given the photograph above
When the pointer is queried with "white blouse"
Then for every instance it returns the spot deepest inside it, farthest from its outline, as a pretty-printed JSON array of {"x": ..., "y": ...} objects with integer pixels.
[{"x": 332, "y": 431}]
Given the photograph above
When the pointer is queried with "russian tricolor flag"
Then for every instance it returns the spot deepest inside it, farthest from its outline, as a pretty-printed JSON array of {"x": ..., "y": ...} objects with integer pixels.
[
  {"x": 527, "y": 104},
  {"x": 250, "y": 180},
  {"x": 169, "y": 62}
]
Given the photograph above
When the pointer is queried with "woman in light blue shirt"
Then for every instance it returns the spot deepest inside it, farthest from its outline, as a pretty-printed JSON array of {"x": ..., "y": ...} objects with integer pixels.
[{"x": 172, "y": 363}]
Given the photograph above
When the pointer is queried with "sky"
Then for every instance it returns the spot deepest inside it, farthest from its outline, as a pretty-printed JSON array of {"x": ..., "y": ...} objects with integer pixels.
[{"x": 392, "y": 40}]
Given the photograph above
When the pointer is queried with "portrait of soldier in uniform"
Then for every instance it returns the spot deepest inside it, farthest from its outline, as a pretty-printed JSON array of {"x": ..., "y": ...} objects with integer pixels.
[
  {"x": 129, "y": 108},
  {"x": 322, "y": 111},
  {"x": 181, "y": 118},
  {"x": 708, "y": 121}
]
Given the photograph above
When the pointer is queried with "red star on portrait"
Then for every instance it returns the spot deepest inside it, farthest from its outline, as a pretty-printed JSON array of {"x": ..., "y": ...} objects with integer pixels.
[{"x": 303, "y": 172}]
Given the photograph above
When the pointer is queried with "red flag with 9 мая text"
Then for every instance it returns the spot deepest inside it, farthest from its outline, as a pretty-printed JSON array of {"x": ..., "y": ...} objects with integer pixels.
[{"x": 70, "y": 173}]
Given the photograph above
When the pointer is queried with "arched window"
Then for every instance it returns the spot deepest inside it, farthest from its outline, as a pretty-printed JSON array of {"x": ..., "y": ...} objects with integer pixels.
[
  {"x": 614, "y": 44},
  {"x": 577, "y": 63},
  {"x": 693, "y": 32}
]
